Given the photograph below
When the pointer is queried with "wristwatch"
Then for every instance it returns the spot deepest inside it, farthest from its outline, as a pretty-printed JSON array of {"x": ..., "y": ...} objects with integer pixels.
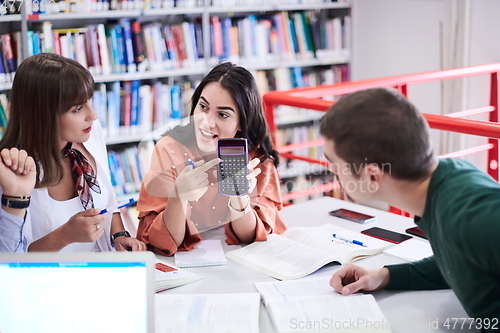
[
  {"x": 119, "y": 234},
  {"x": 15, "y": 202}
]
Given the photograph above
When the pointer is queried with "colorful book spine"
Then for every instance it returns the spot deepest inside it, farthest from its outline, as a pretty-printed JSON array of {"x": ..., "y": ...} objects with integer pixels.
[{"x": 128, "y": 45}]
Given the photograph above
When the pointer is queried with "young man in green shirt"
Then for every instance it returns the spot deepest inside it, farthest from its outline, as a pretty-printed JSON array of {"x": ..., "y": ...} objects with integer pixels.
[{"x": 379, "y": 147}]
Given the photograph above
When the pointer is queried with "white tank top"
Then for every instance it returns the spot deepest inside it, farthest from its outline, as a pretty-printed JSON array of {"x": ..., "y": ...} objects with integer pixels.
[{"x": 63, "y": 210}]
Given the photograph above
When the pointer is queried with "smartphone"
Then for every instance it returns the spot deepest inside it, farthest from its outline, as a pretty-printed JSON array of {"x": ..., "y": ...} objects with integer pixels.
[
  {"x": 232, "y": 170},
  {"x": 416, "y": 231},
  {"x": 352, "y": 215},
  {"x": 387, "y": 235}
]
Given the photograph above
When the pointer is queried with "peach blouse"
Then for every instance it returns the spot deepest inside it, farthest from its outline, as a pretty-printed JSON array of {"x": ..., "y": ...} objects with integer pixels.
[{"x": 169, "y": 159}]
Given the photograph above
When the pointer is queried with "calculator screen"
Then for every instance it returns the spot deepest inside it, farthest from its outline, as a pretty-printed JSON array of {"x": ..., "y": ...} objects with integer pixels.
[{"x": 232, "y": 150}]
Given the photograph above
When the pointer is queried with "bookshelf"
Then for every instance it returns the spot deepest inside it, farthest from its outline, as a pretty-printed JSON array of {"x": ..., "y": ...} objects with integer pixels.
[{"x": 285, "y": 43}]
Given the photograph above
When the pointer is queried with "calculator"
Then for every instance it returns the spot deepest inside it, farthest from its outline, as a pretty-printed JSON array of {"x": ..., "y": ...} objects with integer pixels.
[{"x": 232, "y": 170}]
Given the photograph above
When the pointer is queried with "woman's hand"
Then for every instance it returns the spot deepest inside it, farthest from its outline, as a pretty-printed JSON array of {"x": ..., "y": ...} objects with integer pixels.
[
  {"x": 17, "y": 172},
  {"x": 192, "y": 183},
  {"x": 253, "y": 172},
  {"x": 84, "y": 227},
  {"x": 123, "y": 243}
]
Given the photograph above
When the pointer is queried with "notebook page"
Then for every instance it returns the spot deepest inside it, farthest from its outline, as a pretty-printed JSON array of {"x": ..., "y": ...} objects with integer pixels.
[
  {"x": 208, "y": 252},
  {"x": 411, "y": 250}
]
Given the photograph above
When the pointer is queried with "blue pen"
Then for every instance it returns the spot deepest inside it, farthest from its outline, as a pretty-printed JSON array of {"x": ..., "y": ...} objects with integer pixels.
[
  {"x": 118, "y": 206},
  {"x": 191, "y": 163},
  {"x": 352, "y": 241}
]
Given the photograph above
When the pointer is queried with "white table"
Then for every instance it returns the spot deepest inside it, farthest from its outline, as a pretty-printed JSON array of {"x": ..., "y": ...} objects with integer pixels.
[{"x": 407, "y": 311}]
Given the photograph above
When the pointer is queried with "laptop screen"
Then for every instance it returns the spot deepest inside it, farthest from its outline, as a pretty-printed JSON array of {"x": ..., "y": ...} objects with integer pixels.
[{"x": 77, "y": 292}]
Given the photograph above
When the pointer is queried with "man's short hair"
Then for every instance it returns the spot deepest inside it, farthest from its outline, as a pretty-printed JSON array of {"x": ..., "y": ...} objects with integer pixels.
[{"x": 380, "y": 126}]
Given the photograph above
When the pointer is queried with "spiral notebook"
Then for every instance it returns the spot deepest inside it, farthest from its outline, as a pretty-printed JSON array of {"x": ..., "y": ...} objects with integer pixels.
[{"x": 207, "y": 253}]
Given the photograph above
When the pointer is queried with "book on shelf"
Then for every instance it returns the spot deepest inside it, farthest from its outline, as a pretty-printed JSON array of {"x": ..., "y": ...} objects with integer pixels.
[
  {"x": 168, "y": 276},
  {"x": 312, "y": 305},
  {"x": 186, "y": 313},
  {"x": 299, "y": 251}
]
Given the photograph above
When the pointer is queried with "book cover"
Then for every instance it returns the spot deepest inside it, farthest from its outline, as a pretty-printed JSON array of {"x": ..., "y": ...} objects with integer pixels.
[
  {"x": 145, "y": 108},
  {"x": 138, "y": 44},
  {"x": 128, "y": 45},
  {"x": 189, "y": 45},
  {"x": 148, "y": 47},
  {"x": 8, "y": 54},
  {"x": 173, "y": 58},
  {"x": 179, "y": 44},
  {"x": 134, "y": 106},
  {"x": 217, "y": 44},
  {"x": 92, "y": 50},
  {"x": 3, "y": 75},
  {"x": 103, "y": 50},
  {"x": 159, "y": 47},
  {"x": 199, "y": 39},
  {"x": 125, "y": 114},
  {"x": 300, "y": 251},
  {"x": 120, "y": 48},
  {"x": 81, "y": 56},
  {"x": 168, "y": 276}
]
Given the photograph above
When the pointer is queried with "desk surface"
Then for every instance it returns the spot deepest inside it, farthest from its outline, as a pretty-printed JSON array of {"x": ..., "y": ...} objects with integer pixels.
[{"x": 411, "y": 311}]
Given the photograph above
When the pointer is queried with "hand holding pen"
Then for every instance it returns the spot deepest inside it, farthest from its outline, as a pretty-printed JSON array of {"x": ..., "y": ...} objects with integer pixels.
[{"x": 350, "y": 241}]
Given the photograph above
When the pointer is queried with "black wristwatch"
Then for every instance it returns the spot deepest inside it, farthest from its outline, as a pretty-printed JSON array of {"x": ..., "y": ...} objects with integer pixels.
[
  {"x": 119, "y": 234},
  {"x": 15, "y": 202}
]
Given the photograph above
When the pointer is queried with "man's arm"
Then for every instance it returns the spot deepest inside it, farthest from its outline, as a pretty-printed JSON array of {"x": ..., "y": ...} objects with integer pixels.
[{"x": 419, "y": 275}]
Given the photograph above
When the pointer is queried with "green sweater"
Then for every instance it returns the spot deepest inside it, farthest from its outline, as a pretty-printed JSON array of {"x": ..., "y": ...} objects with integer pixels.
[{"x": 462, "y": 221}]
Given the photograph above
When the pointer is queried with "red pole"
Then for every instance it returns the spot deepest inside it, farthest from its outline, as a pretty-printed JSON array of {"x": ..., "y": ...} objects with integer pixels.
[
  {"x": 271, "y": 123},
  {"x": 493, "y": 153}
]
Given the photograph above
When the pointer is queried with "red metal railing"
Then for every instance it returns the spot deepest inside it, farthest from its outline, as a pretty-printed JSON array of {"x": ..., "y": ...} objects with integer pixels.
[{"x": 309, "y": 98}]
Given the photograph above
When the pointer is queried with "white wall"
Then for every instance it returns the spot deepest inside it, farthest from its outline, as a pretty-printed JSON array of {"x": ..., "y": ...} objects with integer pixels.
[{"x": 394, "y": 37}]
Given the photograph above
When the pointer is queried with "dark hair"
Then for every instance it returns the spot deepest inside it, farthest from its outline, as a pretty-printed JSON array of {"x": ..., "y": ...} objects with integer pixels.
[
  {"x": 45, "y": 86},
  {"x": 380, "y": 126},
  {"x": 241, "y": 85}
]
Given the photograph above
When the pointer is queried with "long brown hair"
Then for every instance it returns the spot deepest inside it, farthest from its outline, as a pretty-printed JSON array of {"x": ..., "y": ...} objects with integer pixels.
[
  {"x": 45, "y": 86},
  {"x": 241, "y": 85}
]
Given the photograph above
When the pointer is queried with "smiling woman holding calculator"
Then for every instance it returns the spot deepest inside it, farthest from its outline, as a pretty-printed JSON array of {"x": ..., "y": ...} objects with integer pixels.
[{"x": 183, "y": 194}]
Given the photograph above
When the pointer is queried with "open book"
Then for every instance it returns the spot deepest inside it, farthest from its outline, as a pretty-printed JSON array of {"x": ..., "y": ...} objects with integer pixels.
[
  {"x": 300, "y": 251},
  {"x": 311, "y": 305},
  {"x": 168, "y": 276},
  {"x": 221, "y": 313}
]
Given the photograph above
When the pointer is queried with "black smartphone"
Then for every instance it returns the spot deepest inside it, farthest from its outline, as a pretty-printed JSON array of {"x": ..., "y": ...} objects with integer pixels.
[
  {"x": 387, "y": 235},
  {"x": 416, "y": 231},
  {"x": 232, "y": 170},
  {"x": 352, "y": 215}
]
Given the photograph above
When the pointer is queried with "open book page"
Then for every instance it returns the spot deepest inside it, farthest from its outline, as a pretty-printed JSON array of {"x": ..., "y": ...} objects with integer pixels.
[
  {"x": 168, "y": 276},
  {"x": 281, "y": 257},
  {"x": 311, "y": 305},
  {"x": 321, "y": 238},
  {"x": 207, "y": 313},
  {"x": 308, "y": 288}
]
